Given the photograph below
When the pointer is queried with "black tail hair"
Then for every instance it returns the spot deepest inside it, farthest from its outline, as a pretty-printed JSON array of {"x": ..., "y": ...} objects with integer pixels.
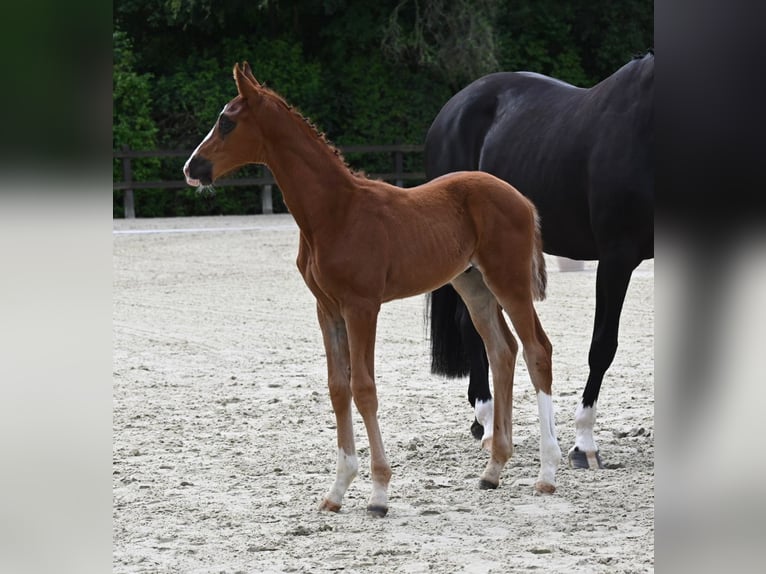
[{"x": 448, "y": 356}]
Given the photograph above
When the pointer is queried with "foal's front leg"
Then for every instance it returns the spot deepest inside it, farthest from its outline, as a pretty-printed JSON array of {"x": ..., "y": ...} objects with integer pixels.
[
  {"x": 338, "y": 375},
  {"x": 361, "y": 322}
]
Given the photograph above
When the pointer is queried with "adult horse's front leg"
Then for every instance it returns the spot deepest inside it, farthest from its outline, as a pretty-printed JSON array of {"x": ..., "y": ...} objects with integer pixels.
[
  {"x": 336, "y": 347},
  {"x": 612, "y": 280},
  {"x": 361, "y": 321}
]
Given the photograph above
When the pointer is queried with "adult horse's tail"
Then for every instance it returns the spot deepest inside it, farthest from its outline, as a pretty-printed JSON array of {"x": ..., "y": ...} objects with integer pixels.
[{"x": 449, "y": 356}]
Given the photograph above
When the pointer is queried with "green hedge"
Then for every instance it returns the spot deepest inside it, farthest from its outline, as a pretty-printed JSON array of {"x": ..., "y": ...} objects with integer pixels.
[{"x": 365, "y": 72}]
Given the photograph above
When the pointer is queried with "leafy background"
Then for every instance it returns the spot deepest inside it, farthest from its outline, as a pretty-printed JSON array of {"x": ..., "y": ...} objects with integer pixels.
[{"x": 364, "y": 71}]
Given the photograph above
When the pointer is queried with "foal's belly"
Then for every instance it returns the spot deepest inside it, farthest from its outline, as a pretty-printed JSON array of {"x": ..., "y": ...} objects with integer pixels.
[{"x": 422, "y": 279}]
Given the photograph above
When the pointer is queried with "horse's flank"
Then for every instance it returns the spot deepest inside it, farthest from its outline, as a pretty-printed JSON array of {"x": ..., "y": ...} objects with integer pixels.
[{"x": 446, "y": 223}]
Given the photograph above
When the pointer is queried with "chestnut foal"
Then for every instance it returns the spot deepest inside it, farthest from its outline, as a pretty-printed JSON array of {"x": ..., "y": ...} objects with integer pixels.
[{"x": 365, "y": 242}]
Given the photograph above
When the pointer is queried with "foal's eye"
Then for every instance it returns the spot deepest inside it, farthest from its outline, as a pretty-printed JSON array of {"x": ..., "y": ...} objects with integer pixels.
[{"x": 225, "y": 125}]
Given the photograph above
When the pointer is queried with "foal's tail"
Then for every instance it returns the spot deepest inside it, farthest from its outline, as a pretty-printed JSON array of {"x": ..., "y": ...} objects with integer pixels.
[
  {"x": 444, "y": 308},
  {"x": 539, "y": 274}
]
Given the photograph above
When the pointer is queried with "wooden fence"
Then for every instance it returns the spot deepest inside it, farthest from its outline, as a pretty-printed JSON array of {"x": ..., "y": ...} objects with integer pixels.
[{"x": 397, "y": 176}]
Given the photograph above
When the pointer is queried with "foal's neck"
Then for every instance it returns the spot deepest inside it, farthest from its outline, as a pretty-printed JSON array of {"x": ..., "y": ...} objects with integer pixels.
[{"x": 311, "y": 174}]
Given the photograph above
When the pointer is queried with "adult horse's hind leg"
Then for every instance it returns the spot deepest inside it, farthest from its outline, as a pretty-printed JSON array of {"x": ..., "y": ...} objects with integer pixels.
[
  {"x": 612, "y": 280},
  {"x": 338, "y": 375},
  {"x": 487, "y": 317}
]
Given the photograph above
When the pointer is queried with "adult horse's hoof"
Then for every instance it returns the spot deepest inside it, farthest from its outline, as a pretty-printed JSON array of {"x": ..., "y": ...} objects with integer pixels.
[
  {"x": 582, "y": 459},
  {"x": 477, "y": 430},
  {"x": 544, "y": 488},
  {"x": 329, "y": 506},
  {"x": 377, "y": 511},
  {"x": 484, "y": 484}
]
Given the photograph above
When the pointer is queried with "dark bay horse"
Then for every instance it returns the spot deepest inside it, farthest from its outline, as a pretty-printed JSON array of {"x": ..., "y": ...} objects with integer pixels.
[
  {"x": 585, "y": 159},
  {"x": 365, "y": 242}
]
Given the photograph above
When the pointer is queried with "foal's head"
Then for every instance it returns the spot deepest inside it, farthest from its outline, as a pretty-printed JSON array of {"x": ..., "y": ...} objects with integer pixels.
[{"x": 235, "y": 139}]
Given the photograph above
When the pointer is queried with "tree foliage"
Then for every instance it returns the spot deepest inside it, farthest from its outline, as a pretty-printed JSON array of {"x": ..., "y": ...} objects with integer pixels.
[
  {"x": 364, "y": 71},
  {"x": 133, "y": 125},
  {"x": 456, "y": 38}
]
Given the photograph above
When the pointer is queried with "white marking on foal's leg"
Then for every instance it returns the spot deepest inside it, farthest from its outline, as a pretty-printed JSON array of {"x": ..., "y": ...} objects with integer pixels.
[
  {"x": 585, "y": 419},
  {"x": 485, "y": 414},
  {"x": 348, "y": 465},
  {"x": 379, "y": 496},
  {"x": 490, "y": 478},
  {"x": 550, "y": 453}
]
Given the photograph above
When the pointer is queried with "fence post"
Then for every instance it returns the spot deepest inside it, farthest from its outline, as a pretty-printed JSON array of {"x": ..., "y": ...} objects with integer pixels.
[
  {"x": 127, "y": 176},
  {"x": 399, "y": 167},
  {"x": 266, "y": 205}
]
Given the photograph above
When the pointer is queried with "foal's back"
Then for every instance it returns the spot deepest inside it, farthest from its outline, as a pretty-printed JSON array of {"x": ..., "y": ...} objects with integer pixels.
[{"x": 420, "y": 238}]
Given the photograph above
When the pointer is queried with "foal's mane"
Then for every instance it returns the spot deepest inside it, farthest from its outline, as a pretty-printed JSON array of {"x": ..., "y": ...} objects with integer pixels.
[{"x": 295, "y": 112}]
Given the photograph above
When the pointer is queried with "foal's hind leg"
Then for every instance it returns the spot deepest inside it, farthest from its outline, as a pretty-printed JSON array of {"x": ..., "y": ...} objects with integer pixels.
[
  {"x": 479, "y": 394},
  {"x": 486, "y": 315},
  {"x": 537, "y": 351},
  {"x": 338, "y": 375}
]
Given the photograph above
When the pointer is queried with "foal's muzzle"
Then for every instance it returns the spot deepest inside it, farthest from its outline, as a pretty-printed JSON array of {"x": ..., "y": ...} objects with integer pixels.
[{"x": 198, "y": 171}]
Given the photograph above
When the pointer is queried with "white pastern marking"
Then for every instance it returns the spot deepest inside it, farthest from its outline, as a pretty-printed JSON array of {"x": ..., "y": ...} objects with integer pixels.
[
  {"x": 348, "y": 466},
  {"x": 379, "y": 496},
  {"x": 485, "y": 414},
  {"x": 550, "y": 453},
  {"x": 585, "y": 419}
]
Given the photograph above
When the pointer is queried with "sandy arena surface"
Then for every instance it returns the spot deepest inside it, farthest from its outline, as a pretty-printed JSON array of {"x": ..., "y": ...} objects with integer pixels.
[{"x": 224, "y": 437}]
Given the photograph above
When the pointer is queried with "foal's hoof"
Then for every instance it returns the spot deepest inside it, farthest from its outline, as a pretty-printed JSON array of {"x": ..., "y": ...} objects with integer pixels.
[
  {"x": 329, "y": 506},
  {"x": 582, "y": 459},
  {"x": 477, "y": 430},
  {"x": 485, "y": 484},
  {"x": 377, "y": 511},
  {"x": 544, "y": 488}
]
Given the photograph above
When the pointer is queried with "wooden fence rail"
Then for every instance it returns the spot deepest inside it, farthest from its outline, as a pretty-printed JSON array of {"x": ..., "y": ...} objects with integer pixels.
[{"x": 397, "y": 176}]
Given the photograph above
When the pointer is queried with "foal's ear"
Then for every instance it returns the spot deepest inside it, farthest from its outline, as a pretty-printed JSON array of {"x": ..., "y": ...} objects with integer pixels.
[
  {"x": 249, "y": 74},
  {"x": 245, "y": 86}
]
